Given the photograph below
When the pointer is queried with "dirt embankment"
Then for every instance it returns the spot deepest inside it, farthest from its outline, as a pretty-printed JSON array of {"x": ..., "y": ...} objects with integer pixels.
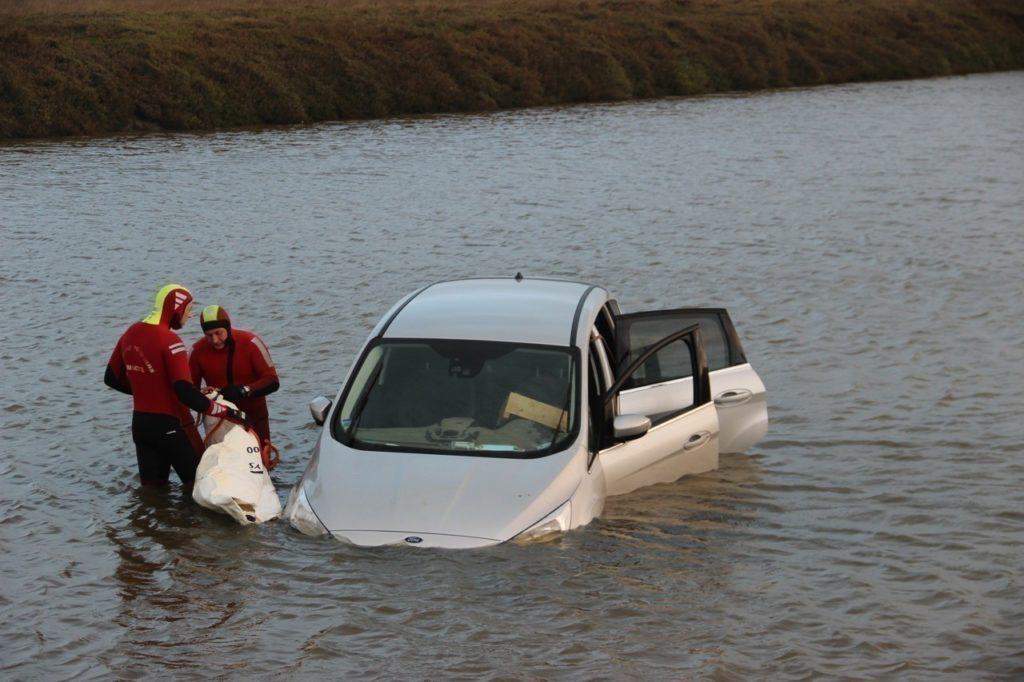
[{"x": 97, "y": 66}]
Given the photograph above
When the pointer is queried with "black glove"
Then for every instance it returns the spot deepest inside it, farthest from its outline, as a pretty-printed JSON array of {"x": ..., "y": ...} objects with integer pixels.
[
  {"x": 238, "y": 416},
  {"x": 234, "y": 393}
]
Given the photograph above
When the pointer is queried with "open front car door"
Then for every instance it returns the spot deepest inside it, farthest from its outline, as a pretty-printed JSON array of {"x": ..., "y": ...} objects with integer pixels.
[
  {"x": 659, "y": 421},
  {"x": 736, "y": 389}
]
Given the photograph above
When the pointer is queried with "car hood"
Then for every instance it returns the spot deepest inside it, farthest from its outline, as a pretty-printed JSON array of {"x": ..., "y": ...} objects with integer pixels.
[{"x": 373, "y": 496}]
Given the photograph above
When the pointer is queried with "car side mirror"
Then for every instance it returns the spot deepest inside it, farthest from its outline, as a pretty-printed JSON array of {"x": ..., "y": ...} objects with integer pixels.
[
  {"x": 630, "y": 426},
  {"x": 319, "y": 407}
]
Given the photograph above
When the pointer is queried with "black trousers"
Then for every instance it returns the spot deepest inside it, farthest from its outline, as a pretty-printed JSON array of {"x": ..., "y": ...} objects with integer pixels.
[{"x": 161, "y": 443}]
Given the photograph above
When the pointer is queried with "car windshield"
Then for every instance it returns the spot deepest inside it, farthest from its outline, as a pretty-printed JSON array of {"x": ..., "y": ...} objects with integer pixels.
[{"x": 460, "y": 397}]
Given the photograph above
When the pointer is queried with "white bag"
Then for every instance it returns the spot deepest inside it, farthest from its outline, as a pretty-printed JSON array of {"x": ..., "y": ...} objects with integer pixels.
[{"x": 231, "y": 477}]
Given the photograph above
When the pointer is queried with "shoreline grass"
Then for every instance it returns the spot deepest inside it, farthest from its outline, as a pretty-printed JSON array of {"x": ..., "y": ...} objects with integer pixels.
[{"x": 81, "y": 67}]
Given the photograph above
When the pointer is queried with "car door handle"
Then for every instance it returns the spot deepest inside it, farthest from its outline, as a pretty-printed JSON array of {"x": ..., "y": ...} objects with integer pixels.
[
  {"x": 734, "y": 396},
  {"x": 697, "y": 439}
]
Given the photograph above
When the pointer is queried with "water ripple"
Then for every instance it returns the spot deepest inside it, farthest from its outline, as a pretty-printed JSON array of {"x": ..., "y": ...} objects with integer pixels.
[{"x": 867, "y": 239}]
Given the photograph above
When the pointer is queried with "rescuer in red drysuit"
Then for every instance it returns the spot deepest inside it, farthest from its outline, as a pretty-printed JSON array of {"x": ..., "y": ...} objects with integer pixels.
[
  {"x": 150, "y": 363},
  {"x": 238, "y": 364}
]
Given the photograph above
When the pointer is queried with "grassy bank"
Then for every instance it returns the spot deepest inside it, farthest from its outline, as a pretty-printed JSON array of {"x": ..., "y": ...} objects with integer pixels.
[{"x": 94, "y": 66}]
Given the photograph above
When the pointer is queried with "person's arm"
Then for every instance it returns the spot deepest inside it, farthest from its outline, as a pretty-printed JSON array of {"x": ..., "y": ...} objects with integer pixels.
[
  {"x": 118, "y": 382},
  {"x": 186, "y": 392},
  {"x": 190, "y": 396},
  {"x": 266, "y": 381},
  {"x": 116, "y": 375},
  {"x": 193, "y": 398}
]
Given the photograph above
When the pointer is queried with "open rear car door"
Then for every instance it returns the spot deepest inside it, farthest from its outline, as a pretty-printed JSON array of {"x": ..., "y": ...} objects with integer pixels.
[{"x": 736, "y": 389}]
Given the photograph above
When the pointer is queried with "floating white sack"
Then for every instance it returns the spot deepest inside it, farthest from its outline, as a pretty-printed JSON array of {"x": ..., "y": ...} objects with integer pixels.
[{"x": 231, "y": 477}]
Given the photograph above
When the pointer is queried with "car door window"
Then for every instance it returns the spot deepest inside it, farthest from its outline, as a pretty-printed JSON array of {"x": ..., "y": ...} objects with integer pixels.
[
  {"x": 662, "y": 385},
  {"x": 663, "y": 378},
  {"x": 668, "y": 364},
  {"x": 716, "y": 344},
  {"x": 721, "y": 344}
]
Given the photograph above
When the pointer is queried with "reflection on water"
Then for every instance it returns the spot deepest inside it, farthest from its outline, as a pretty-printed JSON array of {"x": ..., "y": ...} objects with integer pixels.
[
  {"x": 866, "y": 238},
  {"x": 169, "y": 578},
  {"x": 152, "y": 519}
]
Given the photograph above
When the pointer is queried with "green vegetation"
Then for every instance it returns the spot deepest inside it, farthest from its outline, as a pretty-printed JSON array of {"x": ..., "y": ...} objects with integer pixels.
[{"x": 83, "y": 67}]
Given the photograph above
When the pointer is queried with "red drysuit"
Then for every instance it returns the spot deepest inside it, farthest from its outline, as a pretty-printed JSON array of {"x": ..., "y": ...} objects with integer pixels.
[{"x": 243, "y": 361}]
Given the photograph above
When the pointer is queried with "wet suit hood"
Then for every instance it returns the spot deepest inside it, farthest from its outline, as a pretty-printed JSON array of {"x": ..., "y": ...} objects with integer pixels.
[
  {"x": 215, "y": 317},
  {"x": 169, "y": 305}
]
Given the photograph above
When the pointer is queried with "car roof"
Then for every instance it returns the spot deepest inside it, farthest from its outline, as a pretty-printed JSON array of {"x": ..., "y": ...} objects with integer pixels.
[{"x": 528, "y": 310}]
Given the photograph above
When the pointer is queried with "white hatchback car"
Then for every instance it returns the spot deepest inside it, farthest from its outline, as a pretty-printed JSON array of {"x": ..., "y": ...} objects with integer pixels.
[{"x": 487, "y": 410}]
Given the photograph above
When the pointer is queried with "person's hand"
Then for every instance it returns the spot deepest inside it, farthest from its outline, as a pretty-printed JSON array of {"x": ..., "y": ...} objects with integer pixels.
[
  {"x": 237, "y": 416},
  {"x": 225, "y": 412},
  {"x": 234, "y": 393},
  {"x": 210, "y": 390}
]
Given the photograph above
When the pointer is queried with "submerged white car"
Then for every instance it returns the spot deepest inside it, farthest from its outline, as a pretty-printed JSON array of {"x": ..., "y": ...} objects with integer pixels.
[{"x": 487, "y": 410}]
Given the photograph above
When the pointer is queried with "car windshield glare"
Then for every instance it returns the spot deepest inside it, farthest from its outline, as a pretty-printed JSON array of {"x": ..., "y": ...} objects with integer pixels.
[{"x": 460, "y": 397}]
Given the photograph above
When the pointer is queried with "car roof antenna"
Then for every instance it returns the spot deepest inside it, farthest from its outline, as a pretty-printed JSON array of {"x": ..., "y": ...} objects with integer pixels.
[{"x": 519, "y": 277}]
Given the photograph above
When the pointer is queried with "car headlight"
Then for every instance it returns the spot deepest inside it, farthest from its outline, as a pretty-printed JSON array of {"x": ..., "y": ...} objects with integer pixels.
[
  {"x": 549, "y": 528},
  {"x": 300, "y": 514}
]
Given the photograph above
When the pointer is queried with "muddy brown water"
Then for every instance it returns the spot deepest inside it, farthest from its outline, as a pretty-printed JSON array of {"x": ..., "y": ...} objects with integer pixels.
[{"x": 868, "y": 239}]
